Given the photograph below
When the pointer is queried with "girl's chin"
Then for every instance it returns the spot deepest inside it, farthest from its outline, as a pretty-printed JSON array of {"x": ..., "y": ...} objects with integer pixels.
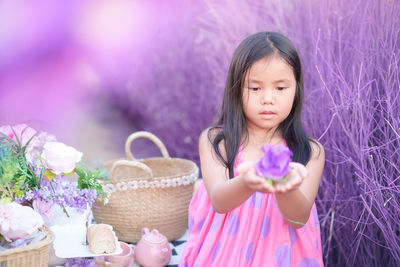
[
  {"x": 264, "y": 125},
  {"x": 267, "y": 126}
]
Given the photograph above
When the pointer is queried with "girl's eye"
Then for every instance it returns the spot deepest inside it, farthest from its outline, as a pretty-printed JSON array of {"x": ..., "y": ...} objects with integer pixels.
[
  {"x": 254, "y": 88},
  {"x": 281, "y": 88}
]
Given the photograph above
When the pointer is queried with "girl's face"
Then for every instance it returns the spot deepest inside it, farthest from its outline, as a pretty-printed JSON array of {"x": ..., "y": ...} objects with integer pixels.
[{"x": 268, "y": 93}]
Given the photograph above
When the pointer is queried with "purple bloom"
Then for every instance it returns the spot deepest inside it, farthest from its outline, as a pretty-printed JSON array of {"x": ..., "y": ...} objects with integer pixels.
[
  {"x": 45, "y": 208},
  {"x": 29, "y": 195},
  {"x": 62, "y": 192},
  {"x": 80, "y": 262},
  {"x": 19, "y": 242},
  {"x": 274, "y": 164}
]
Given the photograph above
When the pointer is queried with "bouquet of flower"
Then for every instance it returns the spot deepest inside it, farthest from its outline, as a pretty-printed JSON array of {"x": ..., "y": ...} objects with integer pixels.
[
  {"x": 34, "y": 169},
  {"x": 274, "y": 164}
]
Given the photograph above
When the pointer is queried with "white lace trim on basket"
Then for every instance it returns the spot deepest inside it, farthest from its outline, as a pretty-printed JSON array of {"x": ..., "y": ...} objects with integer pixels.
[{"x": 162, "y": 183}]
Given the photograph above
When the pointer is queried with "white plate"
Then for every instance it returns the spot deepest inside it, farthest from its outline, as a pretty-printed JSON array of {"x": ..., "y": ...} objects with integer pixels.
[{"x": 68, "y": 242}]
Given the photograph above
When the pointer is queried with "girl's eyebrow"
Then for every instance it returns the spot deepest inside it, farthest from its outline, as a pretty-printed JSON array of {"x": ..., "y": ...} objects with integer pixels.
[
  {"x": 253, "y": 81},
  {"x": 282, "y": 81}
]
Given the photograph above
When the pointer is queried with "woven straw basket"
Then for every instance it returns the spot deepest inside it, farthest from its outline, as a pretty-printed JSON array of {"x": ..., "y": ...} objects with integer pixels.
[
  {"x": 31, "y": 255},
  {"x": 153, "y": 193}
]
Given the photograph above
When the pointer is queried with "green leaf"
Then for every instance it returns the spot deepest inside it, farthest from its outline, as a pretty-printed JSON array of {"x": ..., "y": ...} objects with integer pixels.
[
  {"x": 270, "y": 181},
  {"x": 88, "y": 178},
  {"x": 69, "y": 173},
  {"x": 23, "y": 149},
  {"x": 49, "y": 175}
]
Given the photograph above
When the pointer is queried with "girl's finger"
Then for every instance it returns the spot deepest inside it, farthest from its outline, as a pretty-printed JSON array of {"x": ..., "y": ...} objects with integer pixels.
[
  {"x": 268, "y": 188},
  {"x": 255, "y": 184},
  {"x": 278, "y": 188}
]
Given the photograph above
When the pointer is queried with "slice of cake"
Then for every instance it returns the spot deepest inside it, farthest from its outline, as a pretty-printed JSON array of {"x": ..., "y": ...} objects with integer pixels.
[{"x": 101, "y": 239}]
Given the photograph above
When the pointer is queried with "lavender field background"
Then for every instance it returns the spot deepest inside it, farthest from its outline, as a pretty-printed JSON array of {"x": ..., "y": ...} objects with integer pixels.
[{"x": 93, "y": 72}]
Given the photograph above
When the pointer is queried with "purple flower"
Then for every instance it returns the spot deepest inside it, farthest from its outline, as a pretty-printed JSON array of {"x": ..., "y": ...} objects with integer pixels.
[
  {"x": 19, "y": 242},
  {"x": 62, "y": 192},
  {"x": 80, "y": 262},
  {"x": 45, "y": 208},
  {"x": 274, "y": 164}
]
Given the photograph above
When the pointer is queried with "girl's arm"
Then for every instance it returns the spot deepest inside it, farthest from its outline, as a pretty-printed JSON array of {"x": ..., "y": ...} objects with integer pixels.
[
  {"x": 225, "y": 194},
  {"x": 296, "y": 203}
]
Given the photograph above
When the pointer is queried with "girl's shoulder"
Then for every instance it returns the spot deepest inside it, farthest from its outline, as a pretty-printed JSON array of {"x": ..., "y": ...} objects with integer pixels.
[
  {"x": 207, "y": 138},
  {"x": 317, "y": 150},
  {"x": 210, "y": 134}
]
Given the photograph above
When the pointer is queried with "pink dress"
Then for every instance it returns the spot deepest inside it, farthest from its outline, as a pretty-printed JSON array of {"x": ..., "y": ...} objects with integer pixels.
[{"x": 253, "y": 234}]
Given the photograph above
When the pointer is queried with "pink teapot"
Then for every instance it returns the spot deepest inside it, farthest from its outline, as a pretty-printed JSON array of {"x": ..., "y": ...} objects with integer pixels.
[{"x": 153, "y": 249}]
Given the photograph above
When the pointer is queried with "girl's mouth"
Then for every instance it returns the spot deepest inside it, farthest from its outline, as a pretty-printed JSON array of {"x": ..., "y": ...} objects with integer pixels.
[{"x": 267, "y": 115}]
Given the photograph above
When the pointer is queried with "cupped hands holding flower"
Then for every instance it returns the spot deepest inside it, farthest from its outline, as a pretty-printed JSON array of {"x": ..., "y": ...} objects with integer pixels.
[{"x": 274, "y": 172}]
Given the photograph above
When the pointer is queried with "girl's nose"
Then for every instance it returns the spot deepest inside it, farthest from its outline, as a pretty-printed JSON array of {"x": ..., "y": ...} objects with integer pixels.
[{"x": 267, "y": 97}]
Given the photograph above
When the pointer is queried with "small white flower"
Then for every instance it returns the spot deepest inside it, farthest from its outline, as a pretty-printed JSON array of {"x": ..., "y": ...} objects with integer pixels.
[
  {"x": 122, "y": 186},
  {"x": 109, "y": 188},
  {"x": 142, "y": 184},
  {"x": 164, "y": 183}
]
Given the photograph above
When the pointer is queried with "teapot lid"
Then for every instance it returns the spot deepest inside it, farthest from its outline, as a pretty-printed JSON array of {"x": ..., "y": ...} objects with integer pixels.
[{"x": 153, "y": 237}]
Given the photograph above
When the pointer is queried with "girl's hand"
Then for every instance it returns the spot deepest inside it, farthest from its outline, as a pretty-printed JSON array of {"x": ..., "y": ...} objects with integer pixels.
[
  {"x": 296, "y": 176},
  {"x": 252, "y": 180}
]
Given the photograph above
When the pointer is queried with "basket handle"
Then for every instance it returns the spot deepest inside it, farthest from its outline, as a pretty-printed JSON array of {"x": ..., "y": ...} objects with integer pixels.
[
  {"x": 130, "y": 163},
  {"x": 147, "y": 135}
]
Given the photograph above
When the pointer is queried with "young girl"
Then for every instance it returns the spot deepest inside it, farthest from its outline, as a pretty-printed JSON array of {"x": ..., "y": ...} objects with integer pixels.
[{"x": 237, "y": 218}]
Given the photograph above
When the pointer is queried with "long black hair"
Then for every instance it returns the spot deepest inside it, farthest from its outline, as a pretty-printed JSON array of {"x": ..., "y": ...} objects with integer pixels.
[{"x": 232, "y": 123}]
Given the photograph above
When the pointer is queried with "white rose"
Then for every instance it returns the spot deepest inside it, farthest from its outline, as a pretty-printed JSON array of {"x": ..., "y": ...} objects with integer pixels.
[{"x": 60, "y": 158}]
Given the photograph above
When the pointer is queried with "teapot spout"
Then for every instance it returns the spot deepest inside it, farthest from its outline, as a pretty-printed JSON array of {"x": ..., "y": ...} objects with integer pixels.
[{"x": 165, "y": 256}]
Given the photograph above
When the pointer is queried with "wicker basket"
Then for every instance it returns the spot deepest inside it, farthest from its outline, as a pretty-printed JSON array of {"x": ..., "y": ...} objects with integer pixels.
[
  {"x": 31, "y": 255},
  {"x": 153, "y": 193}
]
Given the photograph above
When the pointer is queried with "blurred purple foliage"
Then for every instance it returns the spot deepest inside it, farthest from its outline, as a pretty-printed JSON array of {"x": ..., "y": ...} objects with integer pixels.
[
  {"x": 351, "y": 56},
  {"x": 173, "y": 90}
]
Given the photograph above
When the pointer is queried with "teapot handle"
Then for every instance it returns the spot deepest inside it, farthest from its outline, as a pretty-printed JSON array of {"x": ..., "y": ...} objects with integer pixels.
[
  {"x": 145, "y": 231},
  {"x": 155, "y": 232}
]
